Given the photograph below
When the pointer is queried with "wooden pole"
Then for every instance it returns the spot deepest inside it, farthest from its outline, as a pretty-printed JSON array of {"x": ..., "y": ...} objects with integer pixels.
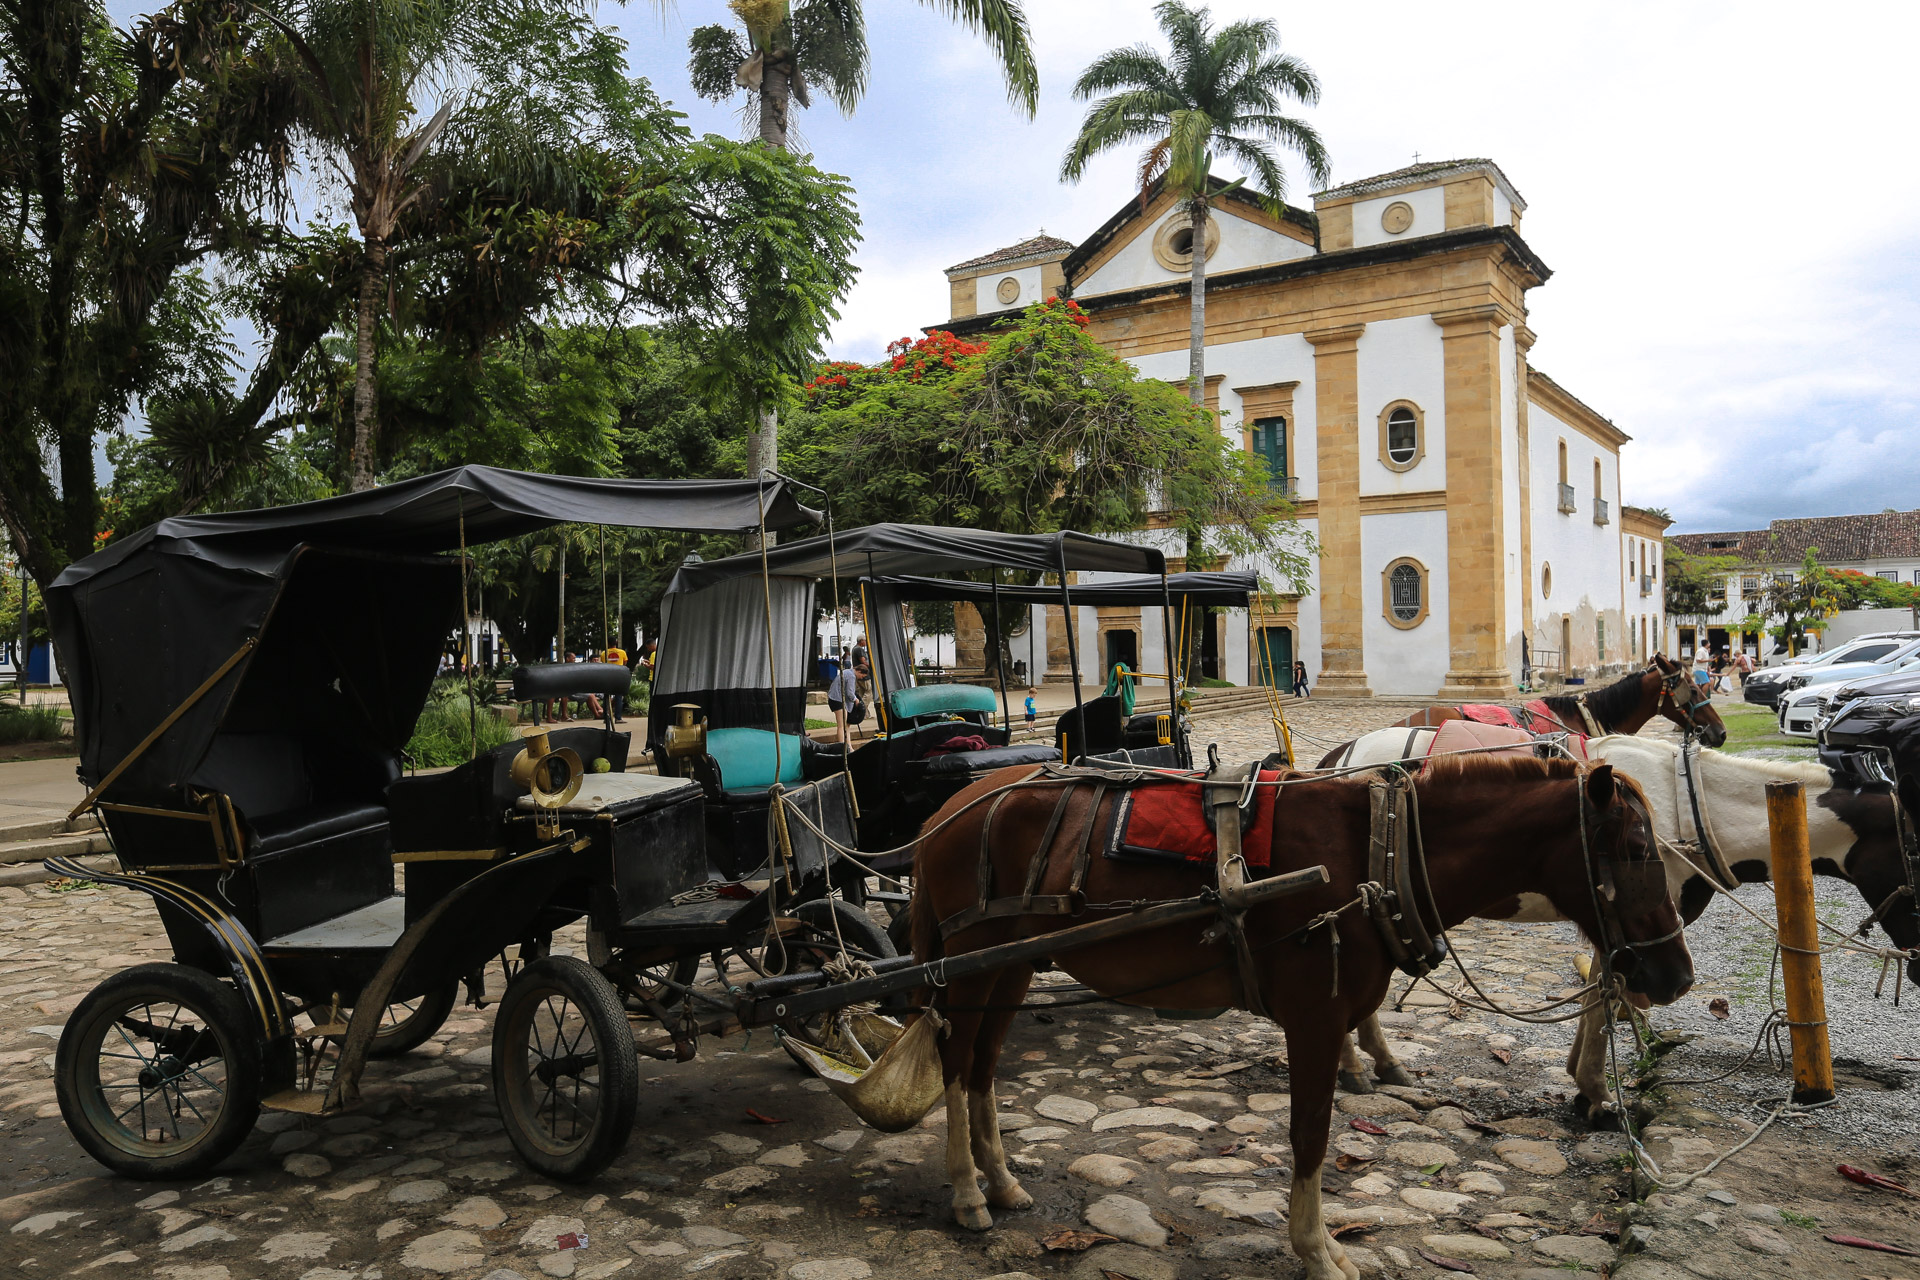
[{"x": 1799, "y": 943}]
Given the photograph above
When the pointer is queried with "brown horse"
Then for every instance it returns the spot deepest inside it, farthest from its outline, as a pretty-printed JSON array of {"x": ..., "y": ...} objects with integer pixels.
[
  {"x": 1662, "y": 688},
  {"x": 1493, "y": 828}
]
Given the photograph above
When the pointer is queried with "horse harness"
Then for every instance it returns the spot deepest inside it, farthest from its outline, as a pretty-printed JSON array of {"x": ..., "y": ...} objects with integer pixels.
[
  {"x": 1396, "y": 895},
  {"x": 1703, "y": 848}
]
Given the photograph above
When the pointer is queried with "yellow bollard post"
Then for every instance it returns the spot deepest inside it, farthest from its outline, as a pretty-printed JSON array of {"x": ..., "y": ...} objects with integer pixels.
[{"x": 1799, "y": 942}]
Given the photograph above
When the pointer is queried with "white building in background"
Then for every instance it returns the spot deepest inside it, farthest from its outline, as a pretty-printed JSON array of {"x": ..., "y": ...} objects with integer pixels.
[{"x": 1374, "y": 353}]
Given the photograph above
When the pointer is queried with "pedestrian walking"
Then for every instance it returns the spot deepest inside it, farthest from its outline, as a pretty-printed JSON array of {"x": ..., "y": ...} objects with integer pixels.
[
  {"x": 1299, "y": 679},
  {"x": 843, "y": 692}
]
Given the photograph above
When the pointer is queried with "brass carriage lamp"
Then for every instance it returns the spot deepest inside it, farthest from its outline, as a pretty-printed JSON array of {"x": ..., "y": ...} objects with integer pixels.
[
  {"x": 686, "y": 737},
  {"x": 551, "y": 777}
]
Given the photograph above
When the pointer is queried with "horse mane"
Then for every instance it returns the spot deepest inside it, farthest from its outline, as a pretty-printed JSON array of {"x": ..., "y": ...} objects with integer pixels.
[{"x": 1609, "y": 706}]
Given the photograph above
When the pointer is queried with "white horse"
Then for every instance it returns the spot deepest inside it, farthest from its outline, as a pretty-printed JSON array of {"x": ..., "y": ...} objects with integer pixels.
[{"x": 1851, "y": 834}]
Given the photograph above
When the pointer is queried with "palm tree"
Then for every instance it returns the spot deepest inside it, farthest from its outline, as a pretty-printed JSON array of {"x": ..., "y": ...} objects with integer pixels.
[
  {"x": 1219, "y": 91},
  {"x": 790, "y": 45}
]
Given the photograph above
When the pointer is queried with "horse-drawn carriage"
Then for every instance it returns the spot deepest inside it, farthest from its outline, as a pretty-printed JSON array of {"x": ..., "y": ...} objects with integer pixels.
[{"x": 243, "y": 687}]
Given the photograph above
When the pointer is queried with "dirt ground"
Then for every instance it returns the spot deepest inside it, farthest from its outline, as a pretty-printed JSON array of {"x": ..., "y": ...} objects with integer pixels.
[{"x": 1170, "y": 1136}]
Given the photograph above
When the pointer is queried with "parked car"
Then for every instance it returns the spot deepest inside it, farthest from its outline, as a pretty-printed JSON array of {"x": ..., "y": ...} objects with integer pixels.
[
  {"x": 1765, "y": 687},
  {"x": 1801, "y": 708},
  {"x": 1859, "y": 711}
]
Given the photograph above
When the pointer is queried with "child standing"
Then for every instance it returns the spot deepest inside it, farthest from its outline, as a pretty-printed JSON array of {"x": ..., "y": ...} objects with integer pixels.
[{"x": 1033, "y": 711}]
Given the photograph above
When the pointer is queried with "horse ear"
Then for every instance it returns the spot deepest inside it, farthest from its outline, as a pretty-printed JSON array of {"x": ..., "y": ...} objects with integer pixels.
[{"x": 1600, "y": 785}]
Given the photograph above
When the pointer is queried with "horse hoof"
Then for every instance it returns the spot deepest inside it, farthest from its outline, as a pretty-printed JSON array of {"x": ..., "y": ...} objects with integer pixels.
[
  {"x": 1601, "y": 1117},
  {"x": 973, "y": 1217},
  {"x": 1396, "y": 1075},
  {"x": 1355, "y": 1082},
  {"x": 1013, "y": 1197}
]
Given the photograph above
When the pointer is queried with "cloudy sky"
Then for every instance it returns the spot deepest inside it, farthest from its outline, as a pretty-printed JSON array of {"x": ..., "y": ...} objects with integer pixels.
[{"x": 1716, "y": 188}]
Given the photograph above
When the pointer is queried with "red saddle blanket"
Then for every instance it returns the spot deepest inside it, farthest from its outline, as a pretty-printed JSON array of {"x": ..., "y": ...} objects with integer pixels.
[
  {"x": 1167, "y": 822},
  {"x": 1533, "y": 717}
]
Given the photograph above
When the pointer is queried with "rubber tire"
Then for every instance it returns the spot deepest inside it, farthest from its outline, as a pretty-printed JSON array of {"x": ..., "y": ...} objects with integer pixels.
[
  {"x": 900, "y": 933},
  {"x": 857, "y": 928},
  {"x": 597, "y": 1000},
  {"x": 76, "y": 1068},
  {"x": 417, "y": 1028},
  {"x": 683, "y": 971}
]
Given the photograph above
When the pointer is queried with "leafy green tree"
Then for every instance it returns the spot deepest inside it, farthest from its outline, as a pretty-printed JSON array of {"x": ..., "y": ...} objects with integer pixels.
[
  {"x": 1803, "y": 601},
  {"x": 127, "y": 160},
  {"x": 1214, "y": 92},
  {"x": 781, "y": 48},
  {"x": 1694, "y": 585}
]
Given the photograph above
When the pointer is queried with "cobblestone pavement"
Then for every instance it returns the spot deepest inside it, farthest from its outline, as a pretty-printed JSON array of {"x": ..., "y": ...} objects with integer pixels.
[{"x": 1480, "y": 1164}]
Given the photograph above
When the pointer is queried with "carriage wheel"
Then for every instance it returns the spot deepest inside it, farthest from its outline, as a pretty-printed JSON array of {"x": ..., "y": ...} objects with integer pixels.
[
  {"x": 565, "y": 1074},
  {"x": 158, "y": 1072},
  {"x": 817, "y": 943},
  {"x": 647, "y": 984},
  {"x": 408, "y": 1024}
]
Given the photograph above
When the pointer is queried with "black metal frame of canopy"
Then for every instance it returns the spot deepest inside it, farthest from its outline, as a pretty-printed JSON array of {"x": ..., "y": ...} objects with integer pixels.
[
  {"x": 886, "y": 553},
  {"x": 242, "y": 684}
]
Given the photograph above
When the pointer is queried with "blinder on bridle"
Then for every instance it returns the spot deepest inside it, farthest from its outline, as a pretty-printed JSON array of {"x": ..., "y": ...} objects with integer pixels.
[
  {"x": 1621, "y": 886},
  {"x": 1671, "y": 684}
]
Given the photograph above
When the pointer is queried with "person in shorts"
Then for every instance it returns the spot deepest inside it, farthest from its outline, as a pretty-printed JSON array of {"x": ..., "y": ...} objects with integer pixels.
[
  {"x": 1033, "y": 711},
  {"x": 843, "y": 691}
]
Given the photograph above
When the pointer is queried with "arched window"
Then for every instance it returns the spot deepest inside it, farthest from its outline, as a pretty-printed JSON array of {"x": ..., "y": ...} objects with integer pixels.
[
  {"x": 1403, "y": 588},
  {"x": 1598, "y": 491},
  {"x": 1403, "y": 435},
  {"x": 1563, "y": 462}
]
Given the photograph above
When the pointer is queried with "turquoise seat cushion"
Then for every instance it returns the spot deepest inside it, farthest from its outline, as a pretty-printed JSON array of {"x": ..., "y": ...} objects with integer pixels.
[
  {"x": 941, "y": 699},
  {"x": 747, "y": 759}
]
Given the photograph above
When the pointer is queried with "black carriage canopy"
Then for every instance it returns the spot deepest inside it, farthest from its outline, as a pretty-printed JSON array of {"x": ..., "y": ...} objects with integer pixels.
[
  {"x": 715, "y": 617},
  {"x": 345, "y": 608}
]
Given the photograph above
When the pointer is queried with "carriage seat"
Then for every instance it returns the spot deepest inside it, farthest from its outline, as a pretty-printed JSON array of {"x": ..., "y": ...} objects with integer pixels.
[
  {"x": 310, "y": 824},
  {"x": 968, "y": 701},
  {"x": 747, "y": 764},
  {"x": 975, "y": 763},
  {"x": 315, "y": 818}
]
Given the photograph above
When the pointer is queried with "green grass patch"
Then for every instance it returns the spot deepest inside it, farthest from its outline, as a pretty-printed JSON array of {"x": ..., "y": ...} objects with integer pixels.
[
  {"x": 444, "y": 734},
  {"x": 819, "y": 724},
  {"x": 1750, "y": 726},
  {"x": 29, "y": 724},
  {"x": 1806, "y": 1222}
]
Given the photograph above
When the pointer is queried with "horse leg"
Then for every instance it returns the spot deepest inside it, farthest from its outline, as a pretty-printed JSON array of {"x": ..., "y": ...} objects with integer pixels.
[
  {"x": 1386, "y": 1067},
  {"x": 1313, "y": 1057},
  {"x": 1353, "y": 1072},
  {"x": 1586, "y": 1063},
  {"x": 1003, "y": 1189},
  {"x": 957, "y": 1049}
]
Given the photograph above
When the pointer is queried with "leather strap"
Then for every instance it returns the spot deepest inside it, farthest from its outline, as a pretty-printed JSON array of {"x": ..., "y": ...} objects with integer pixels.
[
  {"x": 1702, "y": 841},
  {"x": 1225, "y": 789},
  {"x": 1398, "y": 868}
]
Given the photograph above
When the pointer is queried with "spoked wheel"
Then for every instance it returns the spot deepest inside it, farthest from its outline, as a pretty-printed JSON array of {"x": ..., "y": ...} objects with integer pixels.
[
  {"x": 828, "y": 923},
  {"x": 564, "y": 1070},
  {"x": 158, "y": 1072},
  {"x": 648, "y": 984},
  {"x": 408, "y": 1024}
]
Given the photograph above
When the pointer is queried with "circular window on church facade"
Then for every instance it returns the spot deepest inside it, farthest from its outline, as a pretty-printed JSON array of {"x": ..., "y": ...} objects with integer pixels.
[
  {"x": 1403, "y": 588},
  {"x": 1403, "y": 436}
]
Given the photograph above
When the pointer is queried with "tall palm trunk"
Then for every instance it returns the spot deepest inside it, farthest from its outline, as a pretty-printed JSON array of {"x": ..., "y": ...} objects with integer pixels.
[
  {"x": 365, "y": 409},
  {"x": 776, "y": 99},
  {"x": 1197, "y": 332}
]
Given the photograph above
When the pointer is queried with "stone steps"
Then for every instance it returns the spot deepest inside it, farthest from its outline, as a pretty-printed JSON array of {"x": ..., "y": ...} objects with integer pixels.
[{"x": 24, "y": 845}]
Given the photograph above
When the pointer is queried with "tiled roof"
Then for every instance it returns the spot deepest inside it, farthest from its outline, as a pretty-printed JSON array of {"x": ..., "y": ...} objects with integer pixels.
[
  {"x": 1034, "y": 248},
  {"x": 1886, "y": 535},
  {"x": 1417, "y": 173}
]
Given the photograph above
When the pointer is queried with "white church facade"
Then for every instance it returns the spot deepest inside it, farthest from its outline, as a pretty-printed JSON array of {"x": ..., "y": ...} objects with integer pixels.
[{"x": 1375, "y": 353}]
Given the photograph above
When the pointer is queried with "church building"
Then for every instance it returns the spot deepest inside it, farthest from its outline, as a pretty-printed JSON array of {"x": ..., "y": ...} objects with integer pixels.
[{"x": 1374, "y": 353}]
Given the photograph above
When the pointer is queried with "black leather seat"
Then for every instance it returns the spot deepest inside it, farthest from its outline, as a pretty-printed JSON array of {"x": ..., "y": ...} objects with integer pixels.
[
  {"x": 310, "y": 824},
  {"x": 1093, "y": 729},
  {"x": 978, "y": 762}
]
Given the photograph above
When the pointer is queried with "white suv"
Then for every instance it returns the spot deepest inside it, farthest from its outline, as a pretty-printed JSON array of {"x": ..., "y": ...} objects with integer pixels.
[{"x": 1803, "y": 704}]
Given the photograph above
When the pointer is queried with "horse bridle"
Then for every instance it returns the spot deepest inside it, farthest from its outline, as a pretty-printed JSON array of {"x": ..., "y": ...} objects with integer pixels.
[
  {"x": 1611, "y": 878},
  {"x": 1670, "y": 684}
]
